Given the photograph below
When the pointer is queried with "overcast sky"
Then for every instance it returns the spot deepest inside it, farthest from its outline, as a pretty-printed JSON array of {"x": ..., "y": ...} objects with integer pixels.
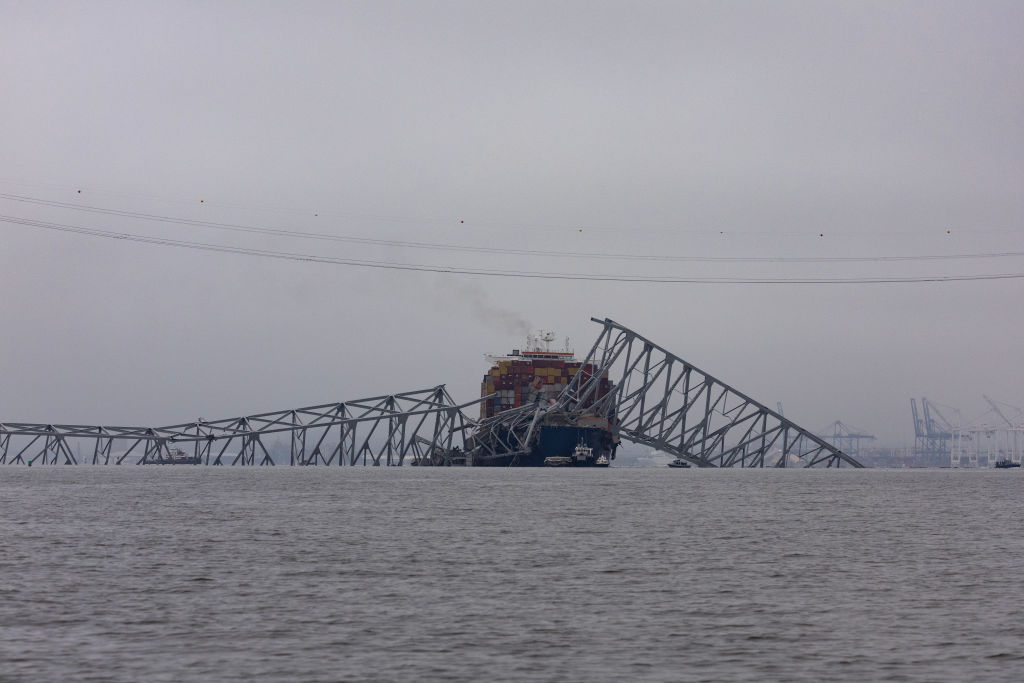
[{"x": 680, "y": 129}]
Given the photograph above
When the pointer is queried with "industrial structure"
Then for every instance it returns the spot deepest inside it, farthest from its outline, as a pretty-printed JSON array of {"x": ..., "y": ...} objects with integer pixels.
[
  {"x": 933, "y": 433},
  {"x": 995, "y": 437},
  {"x": 627, "y": 387},
  {"x": 845, "y": 438}
]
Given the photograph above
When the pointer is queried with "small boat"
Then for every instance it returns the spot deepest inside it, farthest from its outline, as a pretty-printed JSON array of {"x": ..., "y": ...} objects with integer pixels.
[
  {"x": 602, "y": 461},
  {"x": 177, "y": 457},
  {"x": 680, "y": 463},
  {"x": 558, "y": 461},
  {"x": 1006, "y": 463},
  {"x": 583, "y": 454}
]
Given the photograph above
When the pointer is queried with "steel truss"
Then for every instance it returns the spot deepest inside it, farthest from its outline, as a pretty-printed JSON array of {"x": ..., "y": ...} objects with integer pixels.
[
  {"x": 659, "y": 400},
  {"x": 510, "y": 432},
  {"x": 662, "y": 401},
  {"x": 656, "y": 399},
  {"x": 416, "y": 427}
]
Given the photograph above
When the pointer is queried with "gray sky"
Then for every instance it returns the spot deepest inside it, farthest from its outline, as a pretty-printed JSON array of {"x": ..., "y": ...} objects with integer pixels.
[{"x": 717, "y": 129}]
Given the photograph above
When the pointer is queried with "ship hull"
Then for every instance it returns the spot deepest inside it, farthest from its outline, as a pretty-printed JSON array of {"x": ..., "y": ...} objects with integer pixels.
[
  {"x": 538, "y": 376},
  {"x": 556, "y": 441}
]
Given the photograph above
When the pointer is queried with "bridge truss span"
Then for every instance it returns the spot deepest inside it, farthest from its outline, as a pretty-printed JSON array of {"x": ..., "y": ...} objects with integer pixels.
[
  {"x": 421, "y": 427},
  {"x": 664, "y": 402},
  {"x": 630, "y": 386}
]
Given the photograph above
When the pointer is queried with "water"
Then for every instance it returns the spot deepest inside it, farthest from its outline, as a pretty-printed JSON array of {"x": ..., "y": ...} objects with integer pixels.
[{"x": 191, "y": 573}]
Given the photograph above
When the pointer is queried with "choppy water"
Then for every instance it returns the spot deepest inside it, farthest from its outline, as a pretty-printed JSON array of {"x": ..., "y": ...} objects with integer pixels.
[{"x": 190, "y": 573}]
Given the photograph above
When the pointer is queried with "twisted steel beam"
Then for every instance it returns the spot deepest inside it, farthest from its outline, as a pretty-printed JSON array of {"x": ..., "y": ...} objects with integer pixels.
[
  {"x": 662, "y": 401},
  {"x": 420, "y": 427}
]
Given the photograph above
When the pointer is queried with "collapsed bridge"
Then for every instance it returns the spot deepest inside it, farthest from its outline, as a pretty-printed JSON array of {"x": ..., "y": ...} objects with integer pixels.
[{"x": 655, "y": 399}]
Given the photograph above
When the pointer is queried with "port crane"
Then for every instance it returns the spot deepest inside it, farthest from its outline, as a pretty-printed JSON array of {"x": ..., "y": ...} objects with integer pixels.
[
  {"x": 845, "y": 437},
  {"x": 657, "y": 399},
  {"x": 987, "y": 439},
  {"x": 998, "y": 411},
  {"x": 932, "y": 434}
]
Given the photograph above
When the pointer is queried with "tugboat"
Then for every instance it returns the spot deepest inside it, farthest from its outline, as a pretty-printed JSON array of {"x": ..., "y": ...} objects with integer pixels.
[
  {"x": 1006, "y": 463},
  {"x": 583, "y": 454},
  {"x": 680, "y": 463}
]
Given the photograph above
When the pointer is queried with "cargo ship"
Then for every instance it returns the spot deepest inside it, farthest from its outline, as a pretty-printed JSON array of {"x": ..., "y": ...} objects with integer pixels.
[{"x": 536, "y": 376}]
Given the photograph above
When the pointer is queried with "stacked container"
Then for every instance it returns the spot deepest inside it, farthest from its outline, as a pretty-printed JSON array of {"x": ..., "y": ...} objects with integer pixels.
[{"x": 515, "y": 381}]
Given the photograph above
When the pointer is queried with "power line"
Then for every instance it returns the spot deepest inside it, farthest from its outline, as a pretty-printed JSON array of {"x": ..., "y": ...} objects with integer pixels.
[
  {"x": 390, "y": 265},
  {"x": 511, "y": 251},
  {"x": 437, "y": 220}
]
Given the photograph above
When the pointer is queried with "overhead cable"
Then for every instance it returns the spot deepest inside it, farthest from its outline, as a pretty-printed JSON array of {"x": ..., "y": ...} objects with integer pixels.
[
  {"x": 301, "y": 234},
  {"x": 390, "y": 265}
]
